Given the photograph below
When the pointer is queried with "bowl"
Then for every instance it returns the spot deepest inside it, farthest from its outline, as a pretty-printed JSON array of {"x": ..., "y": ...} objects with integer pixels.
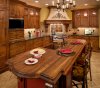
[{"x": 37, "y": 55}]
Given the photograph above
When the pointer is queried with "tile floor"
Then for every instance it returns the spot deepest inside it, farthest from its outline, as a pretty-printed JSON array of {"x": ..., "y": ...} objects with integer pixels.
[{"x": 9, "y": 80}]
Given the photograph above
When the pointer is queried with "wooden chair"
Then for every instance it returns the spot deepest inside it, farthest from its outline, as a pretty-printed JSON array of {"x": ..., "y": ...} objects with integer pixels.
[
  {"x": 58, "y": 41},
  {"x": 89, "y": 52},
  {"x": 79, "y": 73}
]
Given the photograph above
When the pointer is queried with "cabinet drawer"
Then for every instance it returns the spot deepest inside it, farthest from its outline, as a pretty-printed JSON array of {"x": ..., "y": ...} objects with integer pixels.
[
  {"x": 29, "y": 45},
  {"x": 38, "y": 45},
  {"x": 17, "y": 48},
  {"x": 38, "y": 40},
  {"x": 12, "y": 35}
]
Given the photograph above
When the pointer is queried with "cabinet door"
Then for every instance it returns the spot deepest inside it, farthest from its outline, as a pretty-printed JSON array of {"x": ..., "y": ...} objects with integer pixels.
[
  {"x": 38, "y": 42},
  {"x": 19, "y": 34},
  {"x": 12, "y": 35},
  {"x": 2, "y": 56},
  {"x": 20, "y": 47},
  {"x": 29, "y": 45},
  {"x": 46, "y": 41},
  {"x": 95, "y": 43},
  {"x": 32, "y": 21},
  {"x": 19, "y": 11},
  {"x": 3, "y": 26},
  {"x": 26, "y": 23},
  {"x": 31, "y": 18},
  {"x": 17, "y": 48},
  {"x": 77, "y": 18},
  {"x": 37, "y": 20},
  {"x": 93, "y": 18},
  {"x": 12, "y": 10},
  {"x": 84, "y": 18}
]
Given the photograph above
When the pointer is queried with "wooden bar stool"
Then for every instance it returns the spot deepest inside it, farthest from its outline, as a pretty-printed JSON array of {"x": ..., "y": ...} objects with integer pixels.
[
  {"x": 79, "y": 73},
  {"x": 58, "y": 41}
]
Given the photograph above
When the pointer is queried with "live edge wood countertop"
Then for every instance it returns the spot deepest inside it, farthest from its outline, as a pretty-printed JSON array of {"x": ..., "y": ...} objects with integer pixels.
[{"x": 49, "y": 67}]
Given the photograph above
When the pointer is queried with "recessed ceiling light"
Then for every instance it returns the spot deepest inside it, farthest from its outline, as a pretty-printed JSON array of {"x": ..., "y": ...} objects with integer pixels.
[
  {"x": 97, "y": 0},
  {"x": 46, "y": 4},
  {"x": 36, "y": 1},
  {"x": 86, "y": 4}
]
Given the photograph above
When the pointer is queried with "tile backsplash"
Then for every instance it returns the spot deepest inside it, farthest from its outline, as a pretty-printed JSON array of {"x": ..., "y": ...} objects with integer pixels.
[
  {"x": 81, "y": 31},
  {"x": 29, "y": 33}
]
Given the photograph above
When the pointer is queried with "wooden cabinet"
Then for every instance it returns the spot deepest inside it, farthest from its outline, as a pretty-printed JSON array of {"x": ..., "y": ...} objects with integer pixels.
[
  {"x": 95, "y": 43},
  {"x": 3, "y": 25},
  {"x": 26, "y": 21},
  {"x": 12, "y": 10},
  {"x": 19, "y": 34},
  {"x": 3, "y": 56},
  {"x": 16, "y": 10},
  {"x": 29, "y": 44},
  {"x": 31, "y": 18},
  {"x": 37, "y": 19},
  {"x": 30, "y": 14},
  {"x": 85, "y": 18},
  {"x": 3, "y": 33},
  {"x": 20, "y": 11},
  {"x": 47, "y": 41},
  {"x": 93, "y": 14},
  {"x": 16, "y": 48},
  {"x": 38, "y": 42},
  {"x": 94, "y": 40},
  {"x": 16, "y": 34},
  {"x": 12, "y": 35},
  {"x": 76, "y": 18}
]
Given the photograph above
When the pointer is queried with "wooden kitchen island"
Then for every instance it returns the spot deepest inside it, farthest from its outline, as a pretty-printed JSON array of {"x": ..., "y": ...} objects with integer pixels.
[{"x": 51, "y": 71}]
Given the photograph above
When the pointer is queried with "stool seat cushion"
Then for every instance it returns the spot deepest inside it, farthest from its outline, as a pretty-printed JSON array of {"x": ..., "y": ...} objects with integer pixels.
[{"x": 77, "y": 73}]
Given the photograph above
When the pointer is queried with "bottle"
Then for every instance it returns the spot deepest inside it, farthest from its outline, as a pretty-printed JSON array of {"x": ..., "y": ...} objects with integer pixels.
[{"x": 29, "y": 34}]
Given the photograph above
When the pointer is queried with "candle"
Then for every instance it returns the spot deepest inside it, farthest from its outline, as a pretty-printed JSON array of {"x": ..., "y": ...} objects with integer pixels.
[
  {"x": 58, "y": 1},
  {"x": 74, "y": 3},
  {"x": 67, "y": 5},
  {"x": 71, "y": 1},
  {"x": 53, "y": 3}
]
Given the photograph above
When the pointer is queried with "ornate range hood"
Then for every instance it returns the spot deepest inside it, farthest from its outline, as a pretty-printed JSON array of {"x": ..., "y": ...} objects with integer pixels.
[{"x": 57, "y": 17}]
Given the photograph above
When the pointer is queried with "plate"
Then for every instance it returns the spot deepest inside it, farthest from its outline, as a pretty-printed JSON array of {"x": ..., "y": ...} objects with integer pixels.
[
  {"x": 37, "y": 51},
  {"x": 31, "y": 61},
  {"x": 66, "y": 54},
  {"x": 66, "y": 51}
]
